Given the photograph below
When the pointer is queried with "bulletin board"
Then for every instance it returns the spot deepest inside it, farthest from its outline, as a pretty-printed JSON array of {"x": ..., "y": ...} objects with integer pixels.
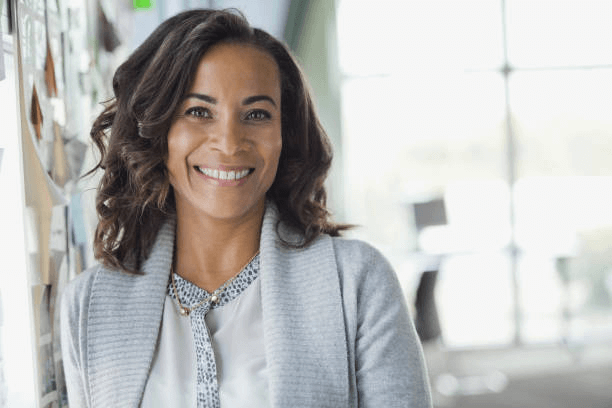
[{"x": 64, "y": 52}]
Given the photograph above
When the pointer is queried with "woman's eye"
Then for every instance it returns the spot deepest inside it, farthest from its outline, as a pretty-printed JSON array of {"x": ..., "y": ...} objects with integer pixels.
[
  {"x": 198, "y": 113},
  {"x": 258, "y": 115}
]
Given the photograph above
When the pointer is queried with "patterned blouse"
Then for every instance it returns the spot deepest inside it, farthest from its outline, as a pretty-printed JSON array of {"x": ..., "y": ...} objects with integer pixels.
[{"x": 191, "y": 295}]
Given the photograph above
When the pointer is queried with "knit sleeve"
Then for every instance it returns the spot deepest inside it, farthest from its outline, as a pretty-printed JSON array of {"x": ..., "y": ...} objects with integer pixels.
[
  {"x": 73, "y": 331},
  {"x": 389, "y": 364}
]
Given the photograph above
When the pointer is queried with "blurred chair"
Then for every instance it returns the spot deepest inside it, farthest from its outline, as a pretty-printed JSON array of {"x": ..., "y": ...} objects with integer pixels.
[
  {"x": 426, "y": 320},
  {"x": 429, "y": 213},
  {"x": 447, "y": 384},
  {"x": 426, "y": 214}
]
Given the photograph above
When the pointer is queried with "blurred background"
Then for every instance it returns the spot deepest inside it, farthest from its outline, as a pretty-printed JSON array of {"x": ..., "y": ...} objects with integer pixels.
[{"x": 473, "y": 146}]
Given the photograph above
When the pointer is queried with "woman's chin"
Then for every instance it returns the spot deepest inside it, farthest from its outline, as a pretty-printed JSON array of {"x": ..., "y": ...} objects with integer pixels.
[{"x": 225, "y": 211}]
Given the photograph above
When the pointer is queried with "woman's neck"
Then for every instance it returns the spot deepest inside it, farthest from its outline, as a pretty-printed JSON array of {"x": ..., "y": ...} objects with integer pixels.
[{"x": 210, "y": 251}]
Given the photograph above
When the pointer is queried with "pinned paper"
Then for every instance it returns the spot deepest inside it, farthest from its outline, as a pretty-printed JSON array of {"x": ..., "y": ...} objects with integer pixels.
[
  {"x": 75, "y": 154},
  {"x": 106, "y": 32},
  {"x": 58, "y": 240},
  {"x": 9, "y": 13},
  {"x": 79, "y": 231},
  {"x": 2, "y": 75},
  {"x": 43, "y": 322},
  {"x": 55, "y": 267},
  {"x": 36, "y": 116},
  {"x": 79, "y": 266},
  {"x": 60, "y": 173},
  {"x": 50, "y": 73},
  {"x": 60, "y": 380},
  {"x": 41, "y": 297},
  {"x": 41, "y": 194},
  {"x": 59, "y": 111}
]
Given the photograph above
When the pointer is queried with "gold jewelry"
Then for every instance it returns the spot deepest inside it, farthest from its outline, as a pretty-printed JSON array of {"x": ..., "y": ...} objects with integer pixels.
[{"x": 214, "y": 297}]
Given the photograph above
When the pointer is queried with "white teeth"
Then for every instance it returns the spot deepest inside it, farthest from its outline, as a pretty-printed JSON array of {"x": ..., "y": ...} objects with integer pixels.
[{"x": 224, "y": 175}]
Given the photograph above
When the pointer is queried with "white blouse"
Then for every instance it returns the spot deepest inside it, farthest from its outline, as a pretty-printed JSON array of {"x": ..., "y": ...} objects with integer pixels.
[{"x": 215, "y": 357}]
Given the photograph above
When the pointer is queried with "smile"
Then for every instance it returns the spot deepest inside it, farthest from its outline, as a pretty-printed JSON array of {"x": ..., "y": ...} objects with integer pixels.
[{"x": 223, "y": 175}]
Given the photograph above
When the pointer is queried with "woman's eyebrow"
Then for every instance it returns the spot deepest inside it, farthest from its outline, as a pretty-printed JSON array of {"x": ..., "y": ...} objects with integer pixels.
[
  {"x": 202, "y": 97},
  {"x": 257, "y": 98},
  {"x": 246, "y": 101}
]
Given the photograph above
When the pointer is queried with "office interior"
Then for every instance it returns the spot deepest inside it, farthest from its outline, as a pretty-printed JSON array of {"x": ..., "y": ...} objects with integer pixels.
[{"x": 472, "y": 146}]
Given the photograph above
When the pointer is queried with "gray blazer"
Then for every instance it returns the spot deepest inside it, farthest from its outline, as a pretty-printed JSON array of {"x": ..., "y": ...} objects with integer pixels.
[{"x": 336, "y": 328}]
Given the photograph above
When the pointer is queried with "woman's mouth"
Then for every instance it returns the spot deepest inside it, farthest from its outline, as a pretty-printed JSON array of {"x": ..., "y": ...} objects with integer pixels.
[{"x": 225, "y": 175}]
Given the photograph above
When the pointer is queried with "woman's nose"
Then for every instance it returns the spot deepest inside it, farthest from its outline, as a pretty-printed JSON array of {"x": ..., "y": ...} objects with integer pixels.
[{"x": 229, "y": 137}]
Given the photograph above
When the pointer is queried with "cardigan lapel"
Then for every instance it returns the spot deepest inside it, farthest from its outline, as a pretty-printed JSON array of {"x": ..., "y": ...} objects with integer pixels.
[
  {"x": 304, "y": 332},
  {"x": 127, "y": 307}
]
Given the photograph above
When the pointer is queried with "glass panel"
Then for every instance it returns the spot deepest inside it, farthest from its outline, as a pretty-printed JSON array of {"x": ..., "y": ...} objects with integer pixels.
[
  {"x": 403, "y": 135},
  {"x": 542, "y": 298},
  {"x": 475, "y": 300},
  {"x": 417, "y": 126},
  {"x": 409, "y": 136},
  {"x": 563, "y": 122},
  {"x": 564, "y": 229},
  {"x": 563, "y": 197},
  {"x": 400, "y": 35},
  {"x": 543, "y": 33},
  {"x": 589, "y": 276},
  {"x": 550, "y": 211}
]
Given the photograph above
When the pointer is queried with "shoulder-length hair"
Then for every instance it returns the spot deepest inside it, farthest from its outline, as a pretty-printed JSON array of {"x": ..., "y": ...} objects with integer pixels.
[{"x": 135, "y": 197}]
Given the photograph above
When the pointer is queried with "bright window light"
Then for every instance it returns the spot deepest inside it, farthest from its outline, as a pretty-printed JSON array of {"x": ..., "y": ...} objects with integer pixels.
[{"x": 503, "y": 110}]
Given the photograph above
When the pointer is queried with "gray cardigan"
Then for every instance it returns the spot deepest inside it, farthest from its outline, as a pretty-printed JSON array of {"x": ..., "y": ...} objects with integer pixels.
[{"x": 336, "y": 328}]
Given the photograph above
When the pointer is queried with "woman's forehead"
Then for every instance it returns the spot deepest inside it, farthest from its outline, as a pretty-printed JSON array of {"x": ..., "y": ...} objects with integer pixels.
[{"x": 237, "y": 69}]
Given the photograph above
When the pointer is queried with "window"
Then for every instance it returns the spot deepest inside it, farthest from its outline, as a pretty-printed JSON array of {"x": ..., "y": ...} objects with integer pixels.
[{"x": 504, "y": 110}]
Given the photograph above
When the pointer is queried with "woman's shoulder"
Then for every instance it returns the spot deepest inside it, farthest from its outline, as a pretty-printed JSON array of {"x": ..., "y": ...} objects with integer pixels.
[
  {"x": 74, "y": 304},
  {"x": 78, "y": 290},
  {"x": 356, "y": 252},
  {"x": 359, "y": 260},
  {"x": 95, "y": 278}
]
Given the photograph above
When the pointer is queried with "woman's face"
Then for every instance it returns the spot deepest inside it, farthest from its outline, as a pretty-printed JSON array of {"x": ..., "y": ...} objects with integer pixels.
[{"x": 225, "y": 142}]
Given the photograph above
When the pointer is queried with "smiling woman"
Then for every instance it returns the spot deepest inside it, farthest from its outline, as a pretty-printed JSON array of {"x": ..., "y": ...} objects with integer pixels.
[
  {"x": 231, "y": 123},
  {"x": 231, "y": 126},
  {"x": 219, "y": 281}
]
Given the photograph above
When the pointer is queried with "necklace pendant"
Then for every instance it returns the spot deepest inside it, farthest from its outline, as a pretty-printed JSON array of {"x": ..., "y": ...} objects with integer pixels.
[
  {"x": 214, "y": 299},
  {"x": 184, "y": 311}
]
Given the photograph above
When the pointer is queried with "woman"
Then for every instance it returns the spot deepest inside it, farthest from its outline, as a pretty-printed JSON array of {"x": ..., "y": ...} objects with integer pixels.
[{"x": 219, "y": 281}]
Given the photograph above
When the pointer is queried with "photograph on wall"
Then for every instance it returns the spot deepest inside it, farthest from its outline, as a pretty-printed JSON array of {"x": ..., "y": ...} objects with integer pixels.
[
  {"x": 48, "y": 404},
  {"x": 60, "y": 381},
  {"x": 47, "y": 366},
  {"x": 75, "y": 151},
  {"x": 60, "y": 267},
  {"x": 41, "y": 295}
]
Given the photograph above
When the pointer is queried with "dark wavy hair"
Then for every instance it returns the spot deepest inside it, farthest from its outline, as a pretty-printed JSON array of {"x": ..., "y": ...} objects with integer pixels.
[{"x": 135, "y": 197}]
